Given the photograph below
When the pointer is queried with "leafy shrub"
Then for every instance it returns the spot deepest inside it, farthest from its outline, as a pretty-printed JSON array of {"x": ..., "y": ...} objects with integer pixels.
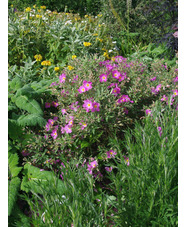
[{"x": 78, "y": 132}]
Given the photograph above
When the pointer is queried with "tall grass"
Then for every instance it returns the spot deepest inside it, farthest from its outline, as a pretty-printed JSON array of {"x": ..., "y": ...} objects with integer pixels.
[{"x": 146, "y": 190}]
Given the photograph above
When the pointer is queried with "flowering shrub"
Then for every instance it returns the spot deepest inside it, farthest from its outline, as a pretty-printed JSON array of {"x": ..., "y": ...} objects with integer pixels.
[{"x": 95, "y": 100}]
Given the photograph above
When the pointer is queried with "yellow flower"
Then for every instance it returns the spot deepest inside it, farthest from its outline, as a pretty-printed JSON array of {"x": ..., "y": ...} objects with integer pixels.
[
  {"x": 86, "y": 44},
  {"x": 113, "y": 58},
  {"x": 28, "y": 9},
  {"x": 39, "y": 10},
  {"x": 38, "y": 57},
  {"x": 74, "y": 56},
  {"x": 43, "y": 7},
  {"x": 99, "y": 25},
  {"x": 70, "y": 67},
  {"x": 99, "y": 15},
  {"x": 86, "y": 16},
  {"x": 38, "y": 16},
  {"x": 67, "y": 14},
  {"x": 99, "y": 39},
  {"x": 34, "y": 6},
  {"x": 12, "y": 6},
  {"x": 56, "y": 69},
  {"x": 95, "y": 34},
  {"x": 46, "y": 63}
]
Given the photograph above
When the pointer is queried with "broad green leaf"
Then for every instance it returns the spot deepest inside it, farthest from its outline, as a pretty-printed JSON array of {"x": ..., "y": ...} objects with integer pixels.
[{"x": 30, "y": 105}]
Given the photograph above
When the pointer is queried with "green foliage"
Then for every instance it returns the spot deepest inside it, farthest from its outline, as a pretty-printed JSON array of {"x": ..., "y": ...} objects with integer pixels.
[
  {"x": 147, "y": 189},
  {"x": 13, "y": 188},
  {"x": 14, "y": 180},
  {"x": 75, "y": 203},
  {"x": 33, "y": 177}
]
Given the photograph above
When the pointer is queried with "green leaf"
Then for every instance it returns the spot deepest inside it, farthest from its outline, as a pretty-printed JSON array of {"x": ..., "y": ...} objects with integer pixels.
[
  {"x": 35, "y": 179},
  {"x": 30, "y": 105},
  {"x": 14, "y": 130},
  {"x": 15, "y": 84},
  {"x": 13, "y": 188},
  {"x": 31, "y": 120},
  {"x": 13, "y": 160},
  {"x": 85, "y": 144}
]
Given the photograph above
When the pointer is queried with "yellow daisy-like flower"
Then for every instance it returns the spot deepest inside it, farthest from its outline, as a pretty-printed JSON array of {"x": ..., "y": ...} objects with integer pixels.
[
  {"x": 86, "y": 16},
  {"x": 39, "y": 10},
  {"x": 12, "y": 6},
  {"x": 70, "y": 67},
  {"x": 99, "y": 25},
  {"x": 113, "y": 58},
  {"x": 28, "y": 9},
  {"x": 38, "y": 16},
  {"x": 34, "y": 6},
  {"x": 86, "y": 44},
  {"x": 38, "y": 57},
  {"x": 56, "y": 69},
  {"x": 46, "y": 63},
  {"x": 99, "y": 15},
  {"x": 74, "y": 56},
  {"x": 43, "y": 7},
  {"x": 95, "y": 34},
  {"x": 67, "y": 14}
]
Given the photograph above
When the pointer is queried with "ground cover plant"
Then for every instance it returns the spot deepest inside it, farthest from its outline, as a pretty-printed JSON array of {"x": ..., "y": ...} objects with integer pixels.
[{"x": 92, "y": 134}]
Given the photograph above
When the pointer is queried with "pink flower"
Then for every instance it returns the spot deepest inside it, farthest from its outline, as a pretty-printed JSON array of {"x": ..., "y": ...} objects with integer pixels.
[
  {"x": 62, "y": 78},
  {"x": 111, "y": 153},
  {"x": 164, "y": 98},
  {"x": 116, "y": 74},
  {"x": 66, "y": 129},
  {"x": 96, "y": 106},
  {"x": 124, "y": 98},
  {"x": 121, "y": 77},
  {"x": 70, "y": 123},
  {"x": 84, "y": 125},
  {"x": 158, "y": 87},
  {"x": 87, "y": 85},
  {"x": 148, "y": 112},
  {"x": 82, "y": 89},
  {"x": 112, "y": 85},
  {"x": 54, "y": 134},
  {"x": 88, "y": 105},
  {"x": 47, "y": 126},
  {"x": 63, "y": 111},
  {"x": 109, "y": 169},
  {"x": 55, "y": 104},
  {"x": 116, "y": 91},
  {"x": 127, "y": 160},
  {"x": 160, "y": 130},
  {"x": 74, "y": 106},
  {"x": 153, "y": 79},
  {"x": 47, "y": 105},
  {"x": 175, "y": 93},
  {"x": 175, "y": 79},
  {"x": 92, "y": 166},
  {"x": 50, "y": 121},
  {"x": 103, "y": 78}
]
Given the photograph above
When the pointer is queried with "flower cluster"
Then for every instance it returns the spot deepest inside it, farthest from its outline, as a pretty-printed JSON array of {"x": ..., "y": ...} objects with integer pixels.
[
  {"x": 87, "y": 44},
  {"x": 38, "y": 57},
  {"x": 46, "y": 63}
]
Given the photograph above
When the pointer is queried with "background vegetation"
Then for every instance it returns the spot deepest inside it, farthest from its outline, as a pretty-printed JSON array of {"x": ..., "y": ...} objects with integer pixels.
[{"x": 92, "y": 113}]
